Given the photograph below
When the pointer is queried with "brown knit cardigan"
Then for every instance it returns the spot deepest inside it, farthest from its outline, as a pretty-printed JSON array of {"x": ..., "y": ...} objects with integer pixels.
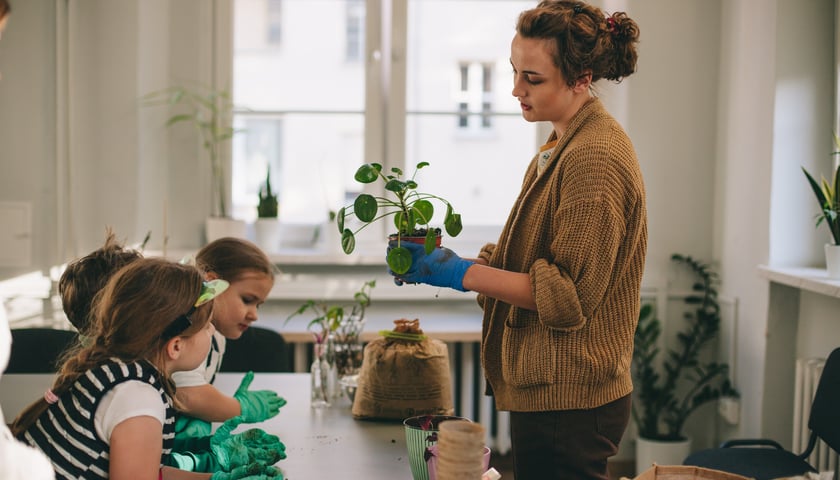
[{"x": 579, "y": 229}]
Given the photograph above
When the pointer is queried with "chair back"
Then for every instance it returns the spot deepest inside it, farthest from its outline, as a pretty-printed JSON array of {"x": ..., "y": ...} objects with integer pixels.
[
  {"x": 38, "y": 350},
  {"x": 824, "y": 419},
  {"x": 257, "y": 350}
]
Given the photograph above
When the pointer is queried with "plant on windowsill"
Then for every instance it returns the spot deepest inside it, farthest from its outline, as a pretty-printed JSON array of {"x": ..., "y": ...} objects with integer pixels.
[
  {"x": 267, "y": 228},
  {"x": 208, "y": 111},
  {"x": 412, "y": 213},
  {"x": 828, "y": 196},
  {"x": 664, "y": 401}
]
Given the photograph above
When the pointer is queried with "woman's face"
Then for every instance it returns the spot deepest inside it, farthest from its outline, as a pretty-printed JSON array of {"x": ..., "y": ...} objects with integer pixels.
[
  {"x": 539, "y": 85},
  {"x": 236, "y": 308}
]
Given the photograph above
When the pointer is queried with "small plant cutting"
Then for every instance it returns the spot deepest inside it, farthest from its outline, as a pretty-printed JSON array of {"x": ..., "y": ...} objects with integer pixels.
[
  {"x": 665, "y": 401},
  {"x": 340, "y": 324},
  {"x": 206, "y": 110},
  {"x": 828, "y": 197},
  {"x": 410, "y": 209},
  {"x": 267, "y": 206}
]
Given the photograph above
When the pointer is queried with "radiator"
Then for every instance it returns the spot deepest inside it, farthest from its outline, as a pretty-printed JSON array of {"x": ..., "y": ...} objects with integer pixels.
[{"x": 808, "y": 371}]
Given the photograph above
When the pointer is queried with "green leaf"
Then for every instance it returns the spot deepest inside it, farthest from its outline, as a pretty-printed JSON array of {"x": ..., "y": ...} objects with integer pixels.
[
  {"x": 340, "y": 219},
  {"x": 430, "y": 242},
  {"x": 424, "y": 211},
  {"x": 184, "y": 117},
  {"x": 452, "y": 223},
  {"x": 365, "y": 207},
  {"x": 368, "y": 173},
  {"x": 396, "y": 186},
  {"x": 421, "y": 165},
  {"x": 399, "y": 260},
  {"x": 348, "y": 241},
  {"x": 405, "y": 224}
]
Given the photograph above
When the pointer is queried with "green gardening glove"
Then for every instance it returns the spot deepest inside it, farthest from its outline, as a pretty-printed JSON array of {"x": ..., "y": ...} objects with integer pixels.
[
  {"x": 251, "y": 446},
  {"x": 259, "y": 405},
  {"x": 254, "y": 471}
]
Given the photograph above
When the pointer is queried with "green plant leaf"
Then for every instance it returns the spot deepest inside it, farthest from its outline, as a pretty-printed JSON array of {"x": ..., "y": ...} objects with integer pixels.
[
  {"x": 339, "y": 219},
  {"x": 396, "y": 186},
  {"x": 365, "y": 207},
  {"x": 403, "y": 224},
  {"x": 424, "y": 211},
  {"x": 399, "y": 260},
  {"x": 430, "y": 242},
  {"x": 452, "y": 224},
  {"x": 348, "y": 241},
  {"x": 368, "y": 173}
]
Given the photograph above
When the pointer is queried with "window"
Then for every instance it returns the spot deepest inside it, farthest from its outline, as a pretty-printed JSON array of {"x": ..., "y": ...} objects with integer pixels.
[{"x": 422, "y": 80}]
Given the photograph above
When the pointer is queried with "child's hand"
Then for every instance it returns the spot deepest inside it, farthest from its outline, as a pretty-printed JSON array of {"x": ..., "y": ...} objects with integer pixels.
[
  {"x": 254, "y": 471},
  {"x": 254, "y": 445},
  {"x": 259, "y": 405}
]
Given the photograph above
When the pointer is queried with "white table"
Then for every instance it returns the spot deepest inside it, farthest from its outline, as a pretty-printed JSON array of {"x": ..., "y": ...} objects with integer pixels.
[{"x": 324, "y": 443}]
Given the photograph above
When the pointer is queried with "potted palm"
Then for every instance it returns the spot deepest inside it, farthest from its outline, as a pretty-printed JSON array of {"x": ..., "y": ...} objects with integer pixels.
[
  {"x": 666, "y": 397},
  {"x": 827, "y": 193},
  {"x": 267, "y": 228},
  {"x": 412, "y": 213},
  {"x": 208, "y": 111}
]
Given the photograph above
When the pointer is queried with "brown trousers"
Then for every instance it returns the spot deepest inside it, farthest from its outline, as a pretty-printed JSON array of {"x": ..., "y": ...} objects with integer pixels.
[{"x": 567, "y": 444}]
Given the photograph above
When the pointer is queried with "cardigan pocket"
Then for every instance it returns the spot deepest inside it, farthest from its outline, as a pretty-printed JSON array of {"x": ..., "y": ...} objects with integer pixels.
[{"x": 528, "y": 355}]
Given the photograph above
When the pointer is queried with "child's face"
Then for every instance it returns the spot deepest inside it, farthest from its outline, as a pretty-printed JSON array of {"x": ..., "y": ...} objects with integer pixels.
[
  {"x": 196, "y": 349},
  {"x": 236, "y": 309}
]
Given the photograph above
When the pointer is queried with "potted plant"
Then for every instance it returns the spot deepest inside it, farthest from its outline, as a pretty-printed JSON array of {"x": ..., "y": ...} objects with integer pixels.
[
  {"x": 267, "y": 228},
  {"x": 412, "y": 213},
  {"x": 664, "y": 401},
  {"x": 828, "y": 197},
  {"x": 208, "y": 111},
  {"x": 337, "y": 347}
]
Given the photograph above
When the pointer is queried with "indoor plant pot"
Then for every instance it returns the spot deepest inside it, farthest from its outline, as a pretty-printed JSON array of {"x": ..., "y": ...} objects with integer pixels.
[
  {"x": 209, "y": 112},
  {"x": 663, "y": 402},
  {"x": 410, "y": 209},
  {"x": 267, "y": 228},
  {"x": 828, "y": 197}
]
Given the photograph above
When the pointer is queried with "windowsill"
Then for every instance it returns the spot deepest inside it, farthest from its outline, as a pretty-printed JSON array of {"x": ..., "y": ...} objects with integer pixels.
[{"x": 810, "y": 279}]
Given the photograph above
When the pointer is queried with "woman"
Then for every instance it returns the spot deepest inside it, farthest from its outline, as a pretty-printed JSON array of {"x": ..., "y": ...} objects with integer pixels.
[{"x": 560, "y": 289}]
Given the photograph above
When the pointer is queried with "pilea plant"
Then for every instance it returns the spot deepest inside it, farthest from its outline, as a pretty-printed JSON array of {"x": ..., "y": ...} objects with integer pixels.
[{"x": 412, "y": 213}]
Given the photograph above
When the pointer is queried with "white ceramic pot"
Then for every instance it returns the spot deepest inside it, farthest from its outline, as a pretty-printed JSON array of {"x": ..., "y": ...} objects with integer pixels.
[
  {"x": 268, "y": 234},
  {"x": 832, "y": 260},
  {"x": 218, "y": 227},
  {"x": 659, "y": 452}
]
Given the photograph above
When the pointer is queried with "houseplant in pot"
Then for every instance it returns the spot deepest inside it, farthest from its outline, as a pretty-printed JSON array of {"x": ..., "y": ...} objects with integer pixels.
[
  {"x": 666, "y": 397},
  {"x": 267, "y": 228},
  {"x": 208, "y": 111},
  {"x": 412, "y": 213},
  {"x": 828, "y": 197}
]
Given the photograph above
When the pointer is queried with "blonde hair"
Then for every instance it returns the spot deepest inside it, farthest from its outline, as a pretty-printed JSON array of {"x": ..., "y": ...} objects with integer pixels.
[{"x": 129, "y": 317}]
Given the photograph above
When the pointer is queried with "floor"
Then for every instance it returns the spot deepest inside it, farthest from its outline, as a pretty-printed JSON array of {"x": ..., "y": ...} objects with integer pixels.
[{"x": 618, "y": 469}]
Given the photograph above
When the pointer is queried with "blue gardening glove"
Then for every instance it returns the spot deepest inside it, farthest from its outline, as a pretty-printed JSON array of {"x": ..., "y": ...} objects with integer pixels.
[
  {"x": 251, "y": 446},
  {"x": 441, "y": 268},
  {"x": 259, "y": 405},
  {"x": 254, "y": 471}
]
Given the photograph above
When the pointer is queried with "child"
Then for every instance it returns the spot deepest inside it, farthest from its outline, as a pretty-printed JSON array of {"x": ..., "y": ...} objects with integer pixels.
[
  {"x": 83, "y": 278},
  {"x": 109, "y": 413},
  {"x": 251, "y": 277}
]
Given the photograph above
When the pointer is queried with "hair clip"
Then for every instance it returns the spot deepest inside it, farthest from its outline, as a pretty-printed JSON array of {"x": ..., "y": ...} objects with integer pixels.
[
  {"x": 211, "y": 290},
  {"x": 187, "y": 260},
  {"x": 50, "y": 397},
  {"x": 577, "y": 8},
  {"x": 611, "y": 25}
]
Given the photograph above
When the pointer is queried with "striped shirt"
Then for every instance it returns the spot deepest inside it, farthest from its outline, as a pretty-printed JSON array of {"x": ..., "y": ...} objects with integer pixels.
[{"x": 65, "y": 432}]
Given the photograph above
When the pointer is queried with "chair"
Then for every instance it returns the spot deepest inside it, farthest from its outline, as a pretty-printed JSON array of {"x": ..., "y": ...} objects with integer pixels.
[
  {"x": 258, "y": 350},
  {"x": 37, "y": 350},
  {"x": 764, "y": 459}
]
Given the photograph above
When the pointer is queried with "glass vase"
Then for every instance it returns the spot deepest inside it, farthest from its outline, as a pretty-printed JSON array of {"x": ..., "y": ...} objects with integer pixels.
[{"x": 323, "y": 375}]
